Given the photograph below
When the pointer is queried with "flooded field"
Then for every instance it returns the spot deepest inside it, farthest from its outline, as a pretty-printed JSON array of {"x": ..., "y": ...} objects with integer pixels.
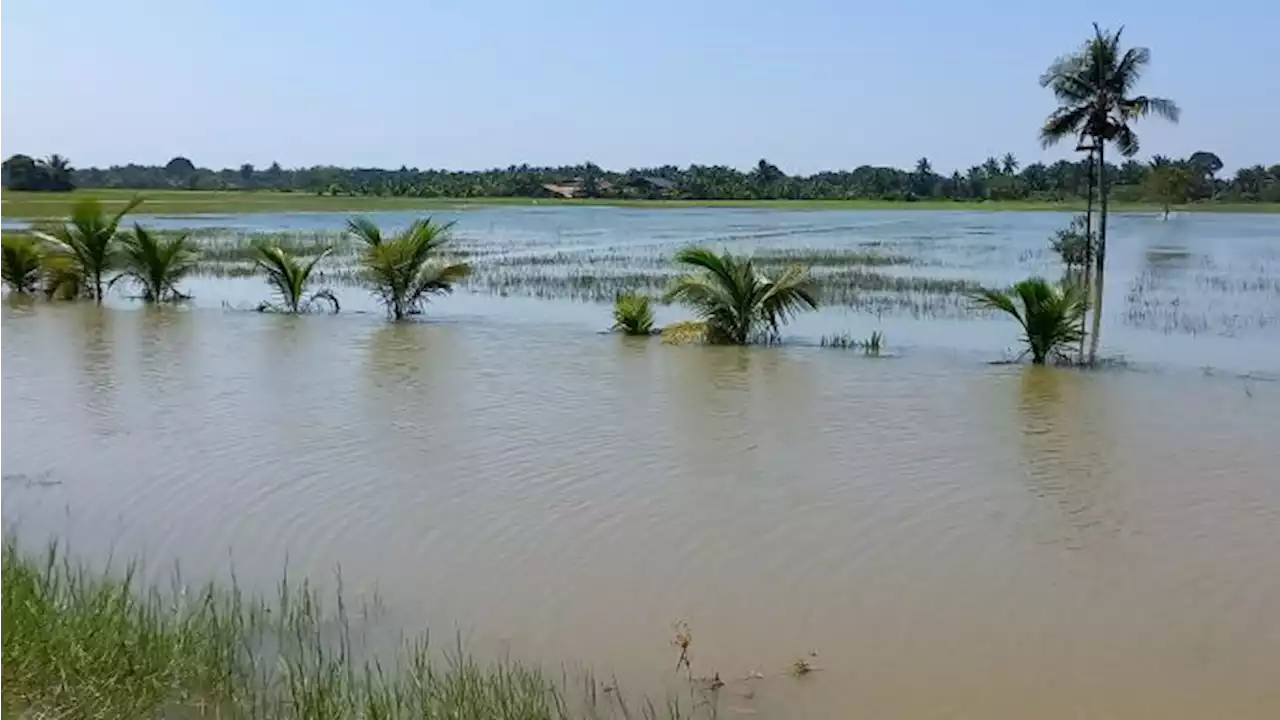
[
  {"x": 939, "y": 537},
  {"x": 1197, "y": 290}
]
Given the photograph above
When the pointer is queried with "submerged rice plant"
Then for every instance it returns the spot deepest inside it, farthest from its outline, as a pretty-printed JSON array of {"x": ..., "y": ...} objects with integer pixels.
[{"x": 845, "y": 341}]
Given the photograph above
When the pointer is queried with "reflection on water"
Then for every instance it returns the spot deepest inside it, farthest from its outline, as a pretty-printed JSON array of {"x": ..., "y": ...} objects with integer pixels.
[
  {"x": 1066, "y": 447},
  {"x": 951, "y": 539}
]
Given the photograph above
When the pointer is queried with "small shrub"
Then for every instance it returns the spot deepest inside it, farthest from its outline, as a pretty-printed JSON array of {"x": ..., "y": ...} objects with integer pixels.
[{"x": 633, "y": 314}]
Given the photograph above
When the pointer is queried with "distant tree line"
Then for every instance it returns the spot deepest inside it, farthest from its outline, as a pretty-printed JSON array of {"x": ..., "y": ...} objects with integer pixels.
[
  {"x": 52, "y": 174},
  {"x": 995, "y": 179}
]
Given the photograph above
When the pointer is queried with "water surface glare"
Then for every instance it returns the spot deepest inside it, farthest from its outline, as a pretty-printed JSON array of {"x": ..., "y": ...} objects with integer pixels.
[{"x": 953, "y": 539}]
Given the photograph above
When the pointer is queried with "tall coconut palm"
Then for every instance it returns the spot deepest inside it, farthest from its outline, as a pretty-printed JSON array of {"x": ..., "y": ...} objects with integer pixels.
[
  {"x": 20, "y": 262},
  {"x": 1009, "y": 164},
  {"x": 290, "y": 278},
  {"x": 401, "y": 269},
  {"x": 1051, "y": 318},
  {"x": 90, "y": 240},
  {"x": 738, "y": 303},
  {"x": 157, "y": 263},
  {"x": 1094, "y": 87}
]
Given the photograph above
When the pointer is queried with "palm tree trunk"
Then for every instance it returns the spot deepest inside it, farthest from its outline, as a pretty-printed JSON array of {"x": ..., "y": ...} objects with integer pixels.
[
  {"x": 1102, "y": 252},
  {"x": 97, "y": 287},
  {"x": 1087, "y": 270}
]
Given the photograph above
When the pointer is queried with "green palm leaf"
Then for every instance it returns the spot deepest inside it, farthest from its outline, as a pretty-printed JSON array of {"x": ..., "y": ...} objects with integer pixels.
[
  {"x": 402, "y": 270},
  {"x": 289, "y": 278},
  {"x": 89, "y": 241},
  {"x": 737, "y": 303},
  {"x": 1052, "y": 319},
  {"x": 633, "y": 313},
  {"x": 156, "y": 263}
]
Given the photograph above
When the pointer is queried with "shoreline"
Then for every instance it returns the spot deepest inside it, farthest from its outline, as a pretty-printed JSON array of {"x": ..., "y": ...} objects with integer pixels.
[{"x": 37, "y": 206}]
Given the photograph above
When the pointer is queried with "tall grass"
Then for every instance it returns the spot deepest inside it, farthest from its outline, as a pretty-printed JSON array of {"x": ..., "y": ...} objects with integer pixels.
[{"x": 103, "y": 645}]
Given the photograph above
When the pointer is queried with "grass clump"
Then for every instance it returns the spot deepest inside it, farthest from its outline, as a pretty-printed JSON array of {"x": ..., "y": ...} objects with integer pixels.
[
  {"x": 102, "y": 645},
  {"x": 844, "y": 341},
  {"x": 633, "y": 314}
]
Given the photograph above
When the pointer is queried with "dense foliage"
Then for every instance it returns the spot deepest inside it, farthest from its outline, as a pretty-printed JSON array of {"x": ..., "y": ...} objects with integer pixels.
[{"x": 1001, "y": 178}]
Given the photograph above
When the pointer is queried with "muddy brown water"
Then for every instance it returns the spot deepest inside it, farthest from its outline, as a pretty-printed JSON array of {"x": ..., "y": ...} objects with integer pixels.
[{"x": 951, "y": 538}]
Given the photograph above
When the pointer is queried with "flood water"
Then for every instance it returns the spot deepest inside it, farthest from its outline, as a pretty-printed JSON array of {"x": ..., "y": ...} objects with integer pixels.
[{"x": 951, "y": 538}]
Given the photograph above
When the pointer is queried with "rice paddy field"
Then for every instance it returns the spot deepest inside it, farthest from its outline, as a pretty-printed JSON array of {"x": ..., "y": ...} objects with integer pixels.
[
  {"x": 877, "y": 517},
  {"x": 1197, "y": 289}
]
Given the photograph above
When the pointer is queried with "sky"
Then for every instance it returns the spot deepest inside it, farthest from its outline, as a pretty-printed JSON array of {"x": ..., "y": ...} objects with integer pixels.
[{"x": 469, "y": 84}]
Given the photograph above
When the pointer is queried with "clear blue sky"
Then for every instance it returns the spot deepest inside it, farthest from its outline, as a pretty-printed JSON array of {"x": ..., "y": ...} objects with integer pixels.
[{"x": 470, "y": 84}]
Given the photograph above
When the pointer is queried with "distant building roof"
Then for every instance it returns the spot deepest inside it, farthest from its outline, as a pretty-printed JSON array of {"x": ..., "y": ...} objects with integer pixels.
[
  {"x": 575, "y": 187},
  {"x": 562, "y": 189},
  {"x": 659, "y": 182}
]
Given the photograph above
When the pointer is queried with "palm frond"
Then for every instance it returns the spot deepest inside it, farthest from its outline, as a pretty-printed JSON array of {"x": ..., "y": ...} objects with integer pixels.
[
  {"x": 400, "y": 270},
  {"x": 1126, "y": 140},
  {"x": 633, "y": 313},
  {"x": 786, "y": 296},
  {"x": 435, "y": 279},
  {"x": 157, "y": 263},
  {"x": 1064, "y": 122},
  {"x": 1143, "y": 106},
  {"x": 1130, "y": 68},
  {"x": 365, "y": 229},
  {"x": 89, "y": 240},
  {"x": 290, "y": 278},
  {"x": 134, "y": 202},
  {"x": 986, "y": 299},
  {"x": 20, "y": 263},
  {"x": 61, "y": 278},
  {"x": 1052, "y": 318},
  {"x": 736, "y": 302}
]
